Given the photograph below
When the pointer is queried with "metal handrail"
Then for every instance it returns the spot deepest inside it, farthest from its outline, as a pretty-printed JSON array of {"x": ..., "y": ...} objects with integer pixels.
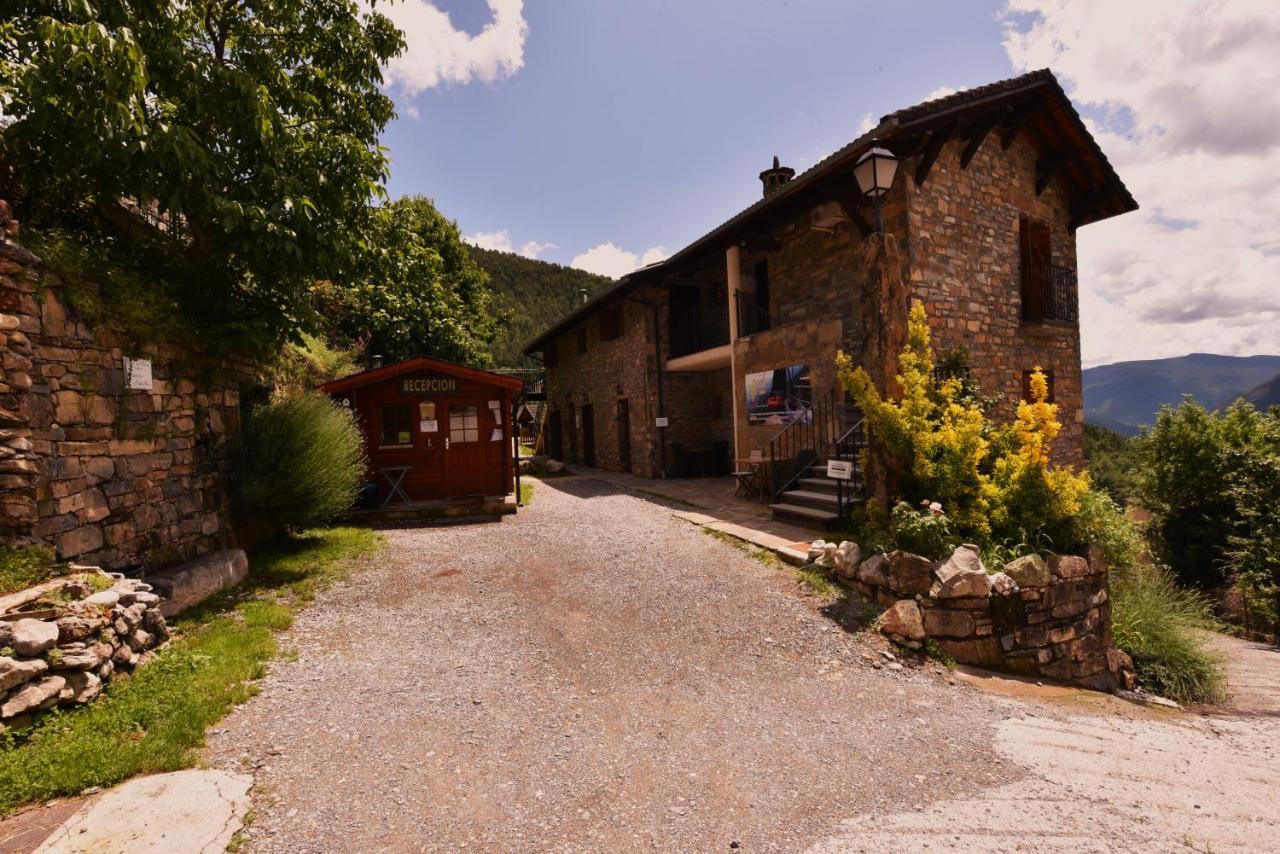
[{"x": 814, "y": 433}]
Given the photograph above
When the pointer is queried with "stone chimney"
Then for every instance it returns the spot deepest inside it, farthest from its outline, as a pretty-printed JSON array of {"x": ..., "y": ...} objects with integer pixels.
[{"x": 775, "y": 177}]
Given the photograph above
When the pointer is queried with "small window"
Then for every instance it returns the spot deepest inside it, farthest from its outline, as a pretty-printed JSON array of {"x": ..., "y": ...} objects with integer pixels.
[
  {"x": 1026, "y": 385},
  {"x": 395, "y": 421},
  {"x": 464, "y": 424},
  {"x": 582, "y": 340},
  {"x": 610, "y": 324}
]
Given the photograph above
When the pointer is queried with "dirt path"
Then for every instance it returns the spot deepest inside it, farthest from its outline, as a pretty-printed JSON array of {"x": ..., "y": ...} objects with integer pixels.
[
  {"x": 1253, "y": 671},
  {"x": 596, "y": 675}
]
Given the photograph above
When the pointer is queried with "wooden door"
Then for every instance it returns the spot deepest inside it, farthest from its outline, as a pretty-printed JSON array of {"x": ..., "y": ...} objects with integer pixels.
[
  {"x": 1035, "y": 250},
  {"x": 465, "y": 444},
  {"x": 589, "y": 436},
  {"x": 624, "y": 435}
]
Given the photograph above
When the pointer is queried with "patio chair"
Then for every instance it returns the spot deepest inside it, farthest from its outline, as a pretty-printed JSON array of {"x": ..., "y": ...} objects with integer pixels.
[{"x": 748, "y": 474}]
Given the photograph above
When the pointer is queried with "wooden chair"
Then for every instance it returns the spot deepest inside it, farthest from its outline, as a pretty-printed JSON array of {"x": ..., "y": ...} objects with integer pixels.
[{"x": 748, "y": 475}]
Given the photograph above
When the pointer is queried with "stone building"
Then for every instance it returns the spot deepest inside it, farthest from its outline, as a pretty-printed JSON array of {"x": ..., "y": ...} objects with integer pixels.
[{"x": 728, "y": 347}]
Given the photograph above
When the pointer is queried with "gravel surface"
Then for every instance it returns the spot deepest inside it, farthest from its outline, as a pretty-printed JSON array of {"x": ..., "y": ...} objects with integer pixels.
[{"x": 590, "y": 675}]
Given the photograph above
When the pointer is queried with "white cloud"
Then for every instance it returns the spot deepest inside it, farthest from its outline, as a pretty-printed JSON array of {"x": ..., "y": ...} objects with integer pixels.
[
  {"x": 866, "y": 124},
  {"x": 438, "y": 52},
  {"x": 1189, "y": 99},
  {"x": 940, "y": 92},
  {"x": 500, "y": 241},
  {"x": 612, "y": 261}
]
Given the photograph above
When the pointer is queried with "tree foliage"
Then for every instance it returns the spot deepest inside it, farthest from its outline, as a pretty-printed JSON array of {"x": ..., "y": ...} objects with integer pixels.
[
  {"x": 418, "y": 292},
  {"x": 533, "y": 295},
  {"x": 238, "y": 139},
  {"x": 1112, "y": 461}
]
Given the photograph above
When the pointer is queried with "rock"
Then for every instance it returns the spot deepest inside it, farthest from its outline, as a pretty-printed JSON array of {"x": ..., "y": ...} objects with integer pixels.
[
  {"x": 1028, "y": 571},
  {"x": 817, "y": 549},
  {"x": 1097, "y": 560},
  {"x": 1003, "y": 585},
  {"x": 153, "y": 621},
  {"x": 150, "y": 600},
  {"x": 79, "y": 656},
  {"x": 1068, "y": 566},
  {"x": 74, "y": 627},
  {"x": 33, "y": 637},
  {"x": 124, "y": 656},
  {"x": 107, "y": 599},
  {"x": 139, "y": 640},
  {"x": 909, "y": 574},
  {"x": 939, "y": 622},
  {"x": 902, "y": 620},
  {"x": 827, "y": 559},
  {"x": 6, "y": 632},
  {"x": 33, "y": 697},
  {"x": 190, "y": 583},
  {"x": 874, "y": 571},
  {"x": 14, "y": 672},
  {"x": 78, "y": 588},
  {"x": 80, "y": 688},
  {"x": 963, "y": 576},
  {"x": 108, "y": 667},
  {"x": 848, "y": 556}
]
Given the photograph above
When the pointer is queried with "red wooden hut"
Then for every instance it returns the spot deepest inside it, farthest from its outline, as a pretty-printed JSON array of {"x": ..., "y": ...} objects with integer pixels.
[{"x": 433, "y": 430}]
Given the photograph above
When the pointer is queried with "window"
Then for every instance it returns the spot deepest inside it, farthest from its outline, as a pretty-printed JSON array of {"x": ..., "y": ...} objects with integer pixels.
[
  {"x": 1026, "y": 384},
  {"x": 582, "y": 340},
  {"x": 464, "y": 424},
  {"x": 395, "y": 419},
  {"x": 611, "y": 323}
]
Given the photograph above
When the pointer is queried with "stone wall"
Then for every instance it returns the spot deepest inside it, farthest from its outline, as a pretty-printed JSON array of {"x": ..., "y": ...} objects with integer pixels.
[
  {"x": 965, "y": 265},
  {"x": 1037, "y": 617},
  {"x": 61, "y": 640},
  {"x": 122, "y": 478}
]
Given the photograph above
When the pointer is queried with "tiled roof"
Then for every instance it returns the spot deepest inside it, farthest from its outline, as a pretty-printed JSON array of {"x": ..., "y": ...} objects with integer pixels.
[{"x": 891, "y": 125}]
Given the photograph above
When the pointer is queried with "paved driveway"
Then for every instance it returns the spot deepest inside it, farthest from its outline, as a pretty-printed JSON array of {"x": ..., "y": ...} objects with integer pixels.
[{"x": 596, "y": 675}]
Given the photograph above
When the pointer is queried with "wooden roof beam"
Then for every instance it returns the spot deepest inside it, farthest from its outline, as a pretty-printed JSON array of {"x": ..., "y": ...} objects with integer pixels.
[
  {"x": 1047, "y": 167},
  {"x": 1015, "y": 121},
  {"x": 932, "y": 149},
  {"x": 977, "y": 132}
]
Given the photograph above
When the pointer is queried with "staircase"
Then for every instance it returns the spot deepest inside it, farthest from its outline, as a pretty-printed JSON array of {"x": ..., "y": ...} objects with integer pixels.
[{"x": 799, "y": 453}]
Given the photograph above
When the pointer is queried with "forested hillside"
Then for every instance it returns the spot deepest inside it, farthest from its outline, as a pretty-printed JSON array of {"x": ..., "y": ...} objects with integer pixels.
[{"x": 534, "y": 294}]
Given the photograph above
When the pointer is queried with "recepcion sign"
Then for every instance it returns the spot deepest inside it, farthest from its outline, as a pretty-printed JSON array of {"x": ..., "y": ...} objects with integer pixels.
[{"x": 428, "y": 384}]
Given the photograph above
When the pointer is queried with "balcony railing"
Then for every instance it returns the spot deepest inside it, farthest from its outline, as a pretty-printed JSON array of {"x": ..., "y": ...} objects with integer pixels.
[
  {"x": 696, "y": 331},
  {"x": 1050, "y": 293},
  {"x": 752, "y": 318}
]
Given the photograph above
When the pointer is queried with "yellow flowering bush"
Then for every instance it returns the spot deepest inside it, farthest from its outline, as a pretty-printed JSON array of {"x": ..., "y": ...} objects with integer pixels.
[{"x": 995, "y": 482}]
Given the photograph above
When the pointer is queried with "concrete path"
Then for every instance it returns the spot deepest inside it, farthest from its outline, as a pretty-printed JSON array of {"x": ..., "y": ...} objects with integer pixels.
[
  {"x": 1253, "y": 672},
  {"x": 195, "y": 812}
]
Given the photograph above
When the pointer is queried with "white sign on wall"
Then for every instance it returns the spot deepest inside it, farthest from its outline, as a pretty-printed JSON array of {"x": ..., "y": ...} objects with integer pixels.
[
  {"x": 840, "y": 469},
  {"x": 137, "y": 374},
  {"x": 662, "y": 421}
]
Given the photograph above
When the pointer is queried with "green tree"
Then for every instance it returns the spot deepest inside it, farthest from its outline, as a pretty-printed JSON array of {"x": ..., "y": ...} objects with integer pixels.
[
  {"x": 237, "y": 138},
  {"x": 1111, "y": 460},
  {"x": 419, "y": 291},
  {"x": 1195, "y": 465}
]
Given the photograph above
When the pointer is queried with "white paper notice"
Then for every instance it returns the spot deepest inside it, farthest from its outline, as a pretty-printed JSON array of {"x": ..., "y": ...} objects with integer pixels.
[{"x": 428, "y": 426}]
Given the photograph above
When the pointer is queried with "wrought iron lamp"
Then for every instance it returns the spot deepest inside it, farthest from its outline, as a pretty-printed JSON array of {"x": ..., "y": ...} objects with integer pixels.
[{"x": 875, "y": 171}]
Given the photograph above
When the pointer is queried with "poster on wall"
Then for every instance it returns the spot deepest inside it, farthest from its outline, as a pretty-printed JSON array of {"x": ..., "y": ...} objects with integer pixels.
[{"x": 779, "y": 396}]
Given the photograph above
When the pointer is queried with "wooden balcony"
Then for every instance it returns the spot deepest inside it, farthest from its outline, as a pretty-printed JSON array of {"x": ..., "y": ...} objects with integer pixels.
[{"x": 1050, "y": 294}]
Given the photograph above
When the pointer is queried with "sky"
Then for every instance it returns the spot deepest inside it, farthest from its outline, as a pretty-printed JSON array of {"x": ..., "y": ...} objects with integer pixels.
[{"x": 607, "y": 134}]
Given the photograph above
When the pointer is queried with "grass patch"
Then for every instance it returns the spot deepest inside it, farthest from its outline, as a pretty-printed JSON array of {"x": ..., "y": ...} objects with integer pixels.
[
  {"x": 155, "y": 720},
  {"x": 813, "y": 576},
  {"x": 24, "y": 566},
  {"x": 1161, "y": 626},
  {"x": 526, "y": 493},
  {"x": 670, "y": 498}
]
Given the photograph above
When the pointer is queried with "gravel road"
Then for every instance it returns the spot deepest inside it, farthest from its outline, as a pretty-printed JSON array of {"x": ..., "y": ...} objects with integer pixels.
[{"x": 590, "y": 675}]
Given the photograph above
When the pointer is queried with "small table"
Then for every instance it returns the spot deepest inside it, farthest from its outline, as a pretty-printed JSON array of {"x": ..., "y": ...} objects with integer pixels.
[
  {"x": 395, "y": 476},
  {"x": 749, "y": 478}
]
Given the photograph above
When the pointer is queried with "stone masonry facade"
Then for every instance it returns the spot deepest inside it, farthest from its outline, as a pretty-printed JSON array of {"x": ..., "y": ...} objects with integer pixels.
[
  {"x": 124, "y": 479},
  {"x": 954, "y": 244}
]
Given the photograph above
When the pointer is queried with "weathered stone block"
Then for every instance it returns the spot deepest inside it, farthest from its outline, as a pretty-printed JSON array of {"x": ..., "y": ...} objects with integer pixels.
[
  {"x": 37, "y": 695},
  {"x": 14, "y": 672},
  {"x": 33, "y": 637},
  {"x": 191, "y": 583},
  {"x": 939, "y": 622},
  {"x": 1029, "y": 572},
  {"x": 902, "y": 620},
  {"x": 962, "y": 575},
  {"x": 874, "y": 571},
  {"x": 1068, "y": 567},
  {"x": 909, "y": 574}
]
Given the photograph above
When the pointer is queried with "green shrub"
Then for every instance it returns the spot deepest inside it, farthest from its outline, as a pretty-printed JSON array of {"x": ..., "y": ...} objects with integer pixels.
[
  {"x": 1112, "y": 462},
  {"x": 299, "y": 462},
  {"x": 1162, "y": 626},
  {"x": 24, "y": 566},
  {"x": 1103, "y": 523},
  {"x": 925, "y": 532}
]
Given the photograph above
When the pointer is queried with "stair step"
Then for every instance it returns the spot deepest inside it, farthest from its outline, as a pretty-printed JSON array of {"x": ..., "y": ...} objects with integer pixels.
[
  {"x": 820, "y": 500},
  {"x": 809, "y": 514},
  {"x": 818, "y": 484}
]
